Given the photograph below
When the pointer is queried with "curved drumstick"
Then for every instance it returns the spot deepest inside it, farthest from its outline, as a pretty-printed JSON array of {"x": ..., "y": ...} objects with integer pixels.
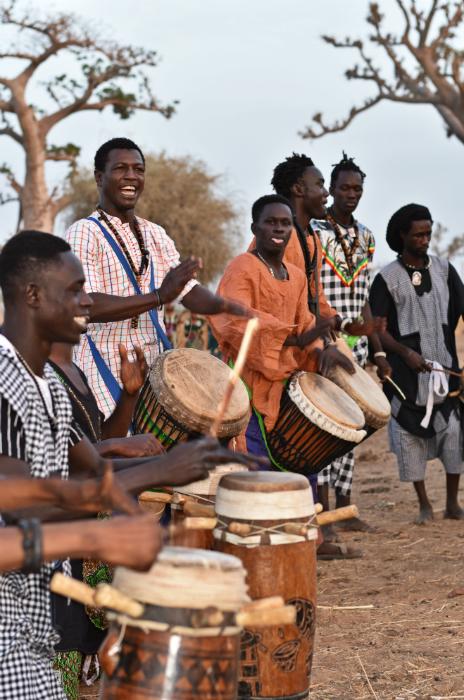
[{"x": 234, "y": 375}]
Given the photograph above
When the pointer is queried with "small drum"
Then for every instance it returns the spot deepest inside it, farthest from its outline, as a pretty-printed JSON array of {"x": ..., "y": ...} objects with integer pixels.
[
  {"x": 197, "y": 500},
  {"x": 367, "y": 394},
  {"x": 181, "y": 394},
  {"x": 275, "y": 512},
  {"x": 317, "y": 423},
  {"x": 186, "y": 644}
]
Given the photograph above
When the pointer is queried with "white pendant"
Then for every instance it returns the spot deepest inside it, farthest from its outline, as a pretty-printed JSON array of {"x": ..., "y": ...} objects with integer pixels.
[{"x": 416, "y": 278}]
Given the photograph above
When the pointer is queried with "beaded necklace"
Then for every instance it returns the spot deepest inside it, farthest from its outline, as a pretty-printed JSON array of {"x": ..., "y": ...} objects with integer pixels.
[
  {"x": 348, "y": 250},
  {"x": 143, "y": 251},
  {"x": 81, "y": 406},
  {"x": 285, "y": 277}
]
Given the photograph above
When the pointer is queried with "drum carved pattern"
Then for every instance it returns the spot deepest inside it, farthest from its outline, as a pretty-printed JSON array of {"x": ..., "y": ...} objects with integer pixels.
[{"x": 152, "y": 670}]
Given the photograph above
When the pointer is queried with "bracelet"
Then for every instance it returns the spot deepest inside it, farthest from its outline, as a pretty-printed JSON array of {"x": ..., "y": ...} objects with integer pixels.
[
  {"x": 381, "y": 353},
  {"x": 32, "y": 544},
  {"x": 344, "y": 323},
  {"x": 159, "y": 304}
]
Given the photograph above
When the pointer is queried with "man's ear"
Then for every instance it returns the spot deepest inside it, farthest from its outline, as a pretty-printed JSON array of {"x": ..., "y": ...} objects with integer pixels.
[
  {"x": 297, "y": 189},
  {"x": 253, "y": 228},
  {"x": 32, "y": 295},
  {"x": 98, "y": 177}
]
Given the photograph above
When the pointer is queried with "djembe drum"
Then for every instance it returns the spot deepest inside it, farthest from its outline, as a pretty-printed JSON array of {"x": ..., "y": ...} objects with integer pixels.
[
  {"x": 185, "y": 646},
  {"x": 266, "y": 519},
  {"x": 317, "y": 423},
  {"x": 181, "y": 394},
  {"x": 196, "y": 500}
]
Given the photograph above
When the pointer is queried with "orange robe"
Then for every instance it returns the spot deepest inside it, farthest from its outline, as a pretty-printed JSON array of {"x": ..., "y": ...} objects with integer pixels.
[
  {"x": 294, "y": 255},
  {"x": 282, "y": 309}
]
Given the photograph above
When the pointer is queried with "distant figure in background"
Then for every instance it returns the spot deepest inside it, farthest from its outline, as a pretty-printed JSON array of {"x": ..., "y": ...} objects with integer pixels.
[
  {"x": 347, "y": 250},
  {"x": 422, "y": 298}
]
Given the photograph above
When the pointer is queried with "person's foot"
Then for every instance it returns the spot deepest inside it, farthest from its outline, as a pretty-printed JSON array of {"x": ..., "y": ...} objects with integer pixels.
[
  {"x": 329, "y": 534},
  {"x": 356, "y": 525},
  {"x": 425, "y": 514},
  {"x": 454, "y": 513},
  {"x": 328, "y": 551}
]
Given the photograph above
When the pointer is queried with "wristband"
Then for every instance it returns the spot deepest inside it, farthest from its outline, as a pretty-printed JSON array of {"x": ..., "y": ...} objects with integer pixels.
[
  {"x": 159, "y": 304},
  {"x": 344, "y": 323},
  {"x": 32, "y": 544},
  {"x": 381, "y": 353}
]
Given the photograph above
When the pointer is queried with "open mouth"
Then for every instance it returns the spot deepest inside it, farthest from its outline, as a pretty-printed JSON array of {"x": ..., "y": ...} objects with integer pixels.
[
  {"x": 129, "y": 191},
  {"x": 82, "y": 322},
  {"x": 277, "y": 240}
]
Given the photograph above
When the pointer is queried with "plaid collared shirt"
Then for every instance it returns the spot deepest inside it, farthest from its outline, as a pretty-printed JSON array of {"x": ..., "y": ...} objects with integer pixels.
[
  {"x": 105, "y": 275},
  {"x": 336, "y": 278},
  {"x": 27, "y": 637}
]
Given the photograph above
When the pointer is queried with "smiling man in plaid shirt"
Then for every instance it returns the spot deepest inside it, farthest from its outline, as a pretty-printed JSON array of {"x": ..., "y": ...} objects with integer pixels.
[
  {"x": 347, "y": 250},
  {"x": 132, "y": 269}
]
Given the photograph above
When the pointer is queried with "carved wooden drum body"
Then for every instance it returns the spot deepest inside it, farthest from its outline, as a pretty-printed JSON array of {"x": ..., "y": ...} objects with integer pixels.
[
  {"x": 317, "y": 423},
  {"x": 186, "y": 645},
  {"x": 181, "y": 395},
  {"x": 279, "y": 555}
]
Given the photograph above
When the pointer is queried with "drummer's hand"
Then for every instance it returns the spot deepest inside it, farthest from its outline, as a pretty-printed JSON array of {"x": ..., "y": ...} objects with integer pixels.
[
  {"x": 416, "y": 362},
  {"x": 133, "y": 446},
  {"x": 132, "y": 374},
  {"x": 384, "y": 369},
  {"x": 114, "y": 541},
  {"x": 331, "y": 357},
  {"x": 377, "y": 325},
  {"x": 177, "y": 278},
  {"x": 104, "y": 494},
  {"x": 322, "y": 327},
  {"x": 191, "y": 461}
]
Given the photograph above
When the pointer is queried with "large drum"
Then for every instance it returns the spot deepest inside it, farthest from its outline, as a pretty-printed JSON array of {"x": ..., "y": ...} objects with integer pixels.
[
  {"x": 317, "y": 423},
  {"x": 186, "y": 644},
  {"x": 275, "y": 512},
  {"x": 181, "y": 394},
  {"x": 197, "y": 500}
]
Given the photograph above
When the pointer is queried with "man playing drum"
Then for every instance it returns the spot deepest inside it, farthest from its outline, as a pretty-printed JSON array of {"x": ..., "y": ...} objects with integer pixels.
[
  {"x": 132, "y": 270},
  {"x": 422, "y": 297},
  {"x": 347, "y": 250},
  {"x": 288, "y": 337}
]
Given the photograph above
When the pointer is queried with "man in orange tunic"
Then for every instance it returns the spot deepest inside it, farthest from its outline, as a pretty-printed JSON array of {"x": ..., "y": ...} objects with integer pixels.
[{"x": 288, "y": 336}]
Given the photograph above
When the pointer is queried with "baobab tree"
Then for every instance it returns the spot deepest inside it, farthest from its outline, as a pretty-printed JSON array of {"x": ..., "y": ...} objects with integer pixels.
[
  {"x": 98, "y": 74},
  {"x": 426, "y": 60}
]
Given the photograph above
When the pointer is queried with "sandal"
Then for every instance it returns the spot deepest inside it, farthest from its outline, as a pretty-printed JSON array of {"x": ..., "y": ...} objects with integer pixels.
[{"x": 329, "y": 551}]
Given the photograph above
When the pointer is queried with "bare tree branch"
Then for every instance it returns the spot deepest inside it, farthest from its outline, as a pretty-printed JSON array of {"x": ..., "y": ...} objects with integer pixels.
[{"x": 434, "y": 71}]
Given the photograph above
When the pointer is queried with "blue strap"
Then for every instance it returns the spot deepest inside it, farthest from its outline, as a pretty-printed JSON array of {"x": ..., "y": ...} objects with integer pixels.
[
  {"x": 160, "y": 334},
  {"x": 105, "y": 372}
]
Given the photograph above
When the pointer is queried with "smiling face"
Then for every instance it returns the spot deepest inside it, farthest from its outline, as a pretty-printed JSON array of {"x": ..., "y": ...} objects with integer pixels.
[
  {"x": 311, "y": 192},
  {"x": 61, "y": 305},
  {"x": 122, "y": 181},
  {"x": 346, "y": 191},
  {"x": 273, "y": 229}
]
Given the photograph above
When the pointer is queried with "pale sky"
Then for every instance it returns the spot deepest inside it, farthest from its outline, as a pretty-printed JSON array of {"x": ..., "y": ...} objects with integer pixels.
[{"x": 249, "y": 74}]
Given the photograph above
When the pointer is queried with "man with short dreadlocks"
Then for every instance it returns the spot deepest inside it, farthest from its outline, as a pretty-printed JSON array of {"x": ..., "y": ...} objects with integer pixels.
[{"x": 347, "y": 250}]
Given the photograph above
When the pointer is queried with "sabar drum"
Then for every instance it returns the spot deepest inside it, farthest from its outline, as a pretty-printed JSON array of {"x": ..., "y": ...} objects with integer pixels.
[
  {"x": 197, "y": 500},
  {"x": 181, "y": 394},
  {"x": 274, "y": 512},
  {"x": 317, "y": 423},
  {"x": 186, "y": 644}
]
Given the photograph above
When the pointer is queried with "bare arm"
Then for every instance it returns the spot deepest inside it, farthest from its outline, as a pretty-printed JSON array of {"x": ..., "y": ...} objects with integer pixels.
[{"x": 111, "y": 540}]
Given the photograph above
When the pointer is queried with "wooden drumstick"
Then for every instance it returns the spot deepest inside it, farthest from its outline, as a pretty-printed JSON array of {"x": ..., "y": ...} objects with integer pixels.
[
  {"x": 107, "y": 596},
  {"x": 285, "y": 615},
  {"x": 334, "y": 516},
  {"x": 72, "y": 588},
  {"x": 234, "y": 375},
  {"x": 199, "y": 510}
]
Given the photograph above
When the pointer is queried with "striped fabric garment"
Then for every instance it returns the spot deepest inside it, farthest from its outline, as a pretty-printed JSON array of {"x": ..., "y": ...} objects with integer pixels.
[{"x": 105, "y": 275}]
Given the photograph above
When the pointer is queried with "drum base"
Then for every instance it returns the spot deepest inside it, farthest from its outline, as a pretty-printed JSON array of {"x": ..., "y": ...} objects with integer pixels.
[{"x": 298, "y": 696}]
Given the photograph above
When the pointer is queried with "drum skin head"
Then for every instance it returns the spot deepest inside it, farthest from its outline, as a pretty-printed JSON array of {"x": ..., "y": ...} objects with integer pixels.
[
  {"x": 197, "y": 381},
  {"x": 364, "y": 390},
  {"x": 264, "y": 482},
  {"x": 331, "y": 400}
]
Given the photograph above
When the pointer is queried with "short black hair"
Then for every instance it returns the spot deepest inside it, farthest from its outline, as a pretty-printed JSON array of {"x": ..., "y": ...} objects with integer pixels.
[
  {"x": 258, "y": 206},
  {"x": 287, "y": 173},
  {"x": 101, "y": 156},
  {"x": 401, "y": 222},
  {"x": 26, "y": 254},
  {"x": 346, "y": 165}
]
